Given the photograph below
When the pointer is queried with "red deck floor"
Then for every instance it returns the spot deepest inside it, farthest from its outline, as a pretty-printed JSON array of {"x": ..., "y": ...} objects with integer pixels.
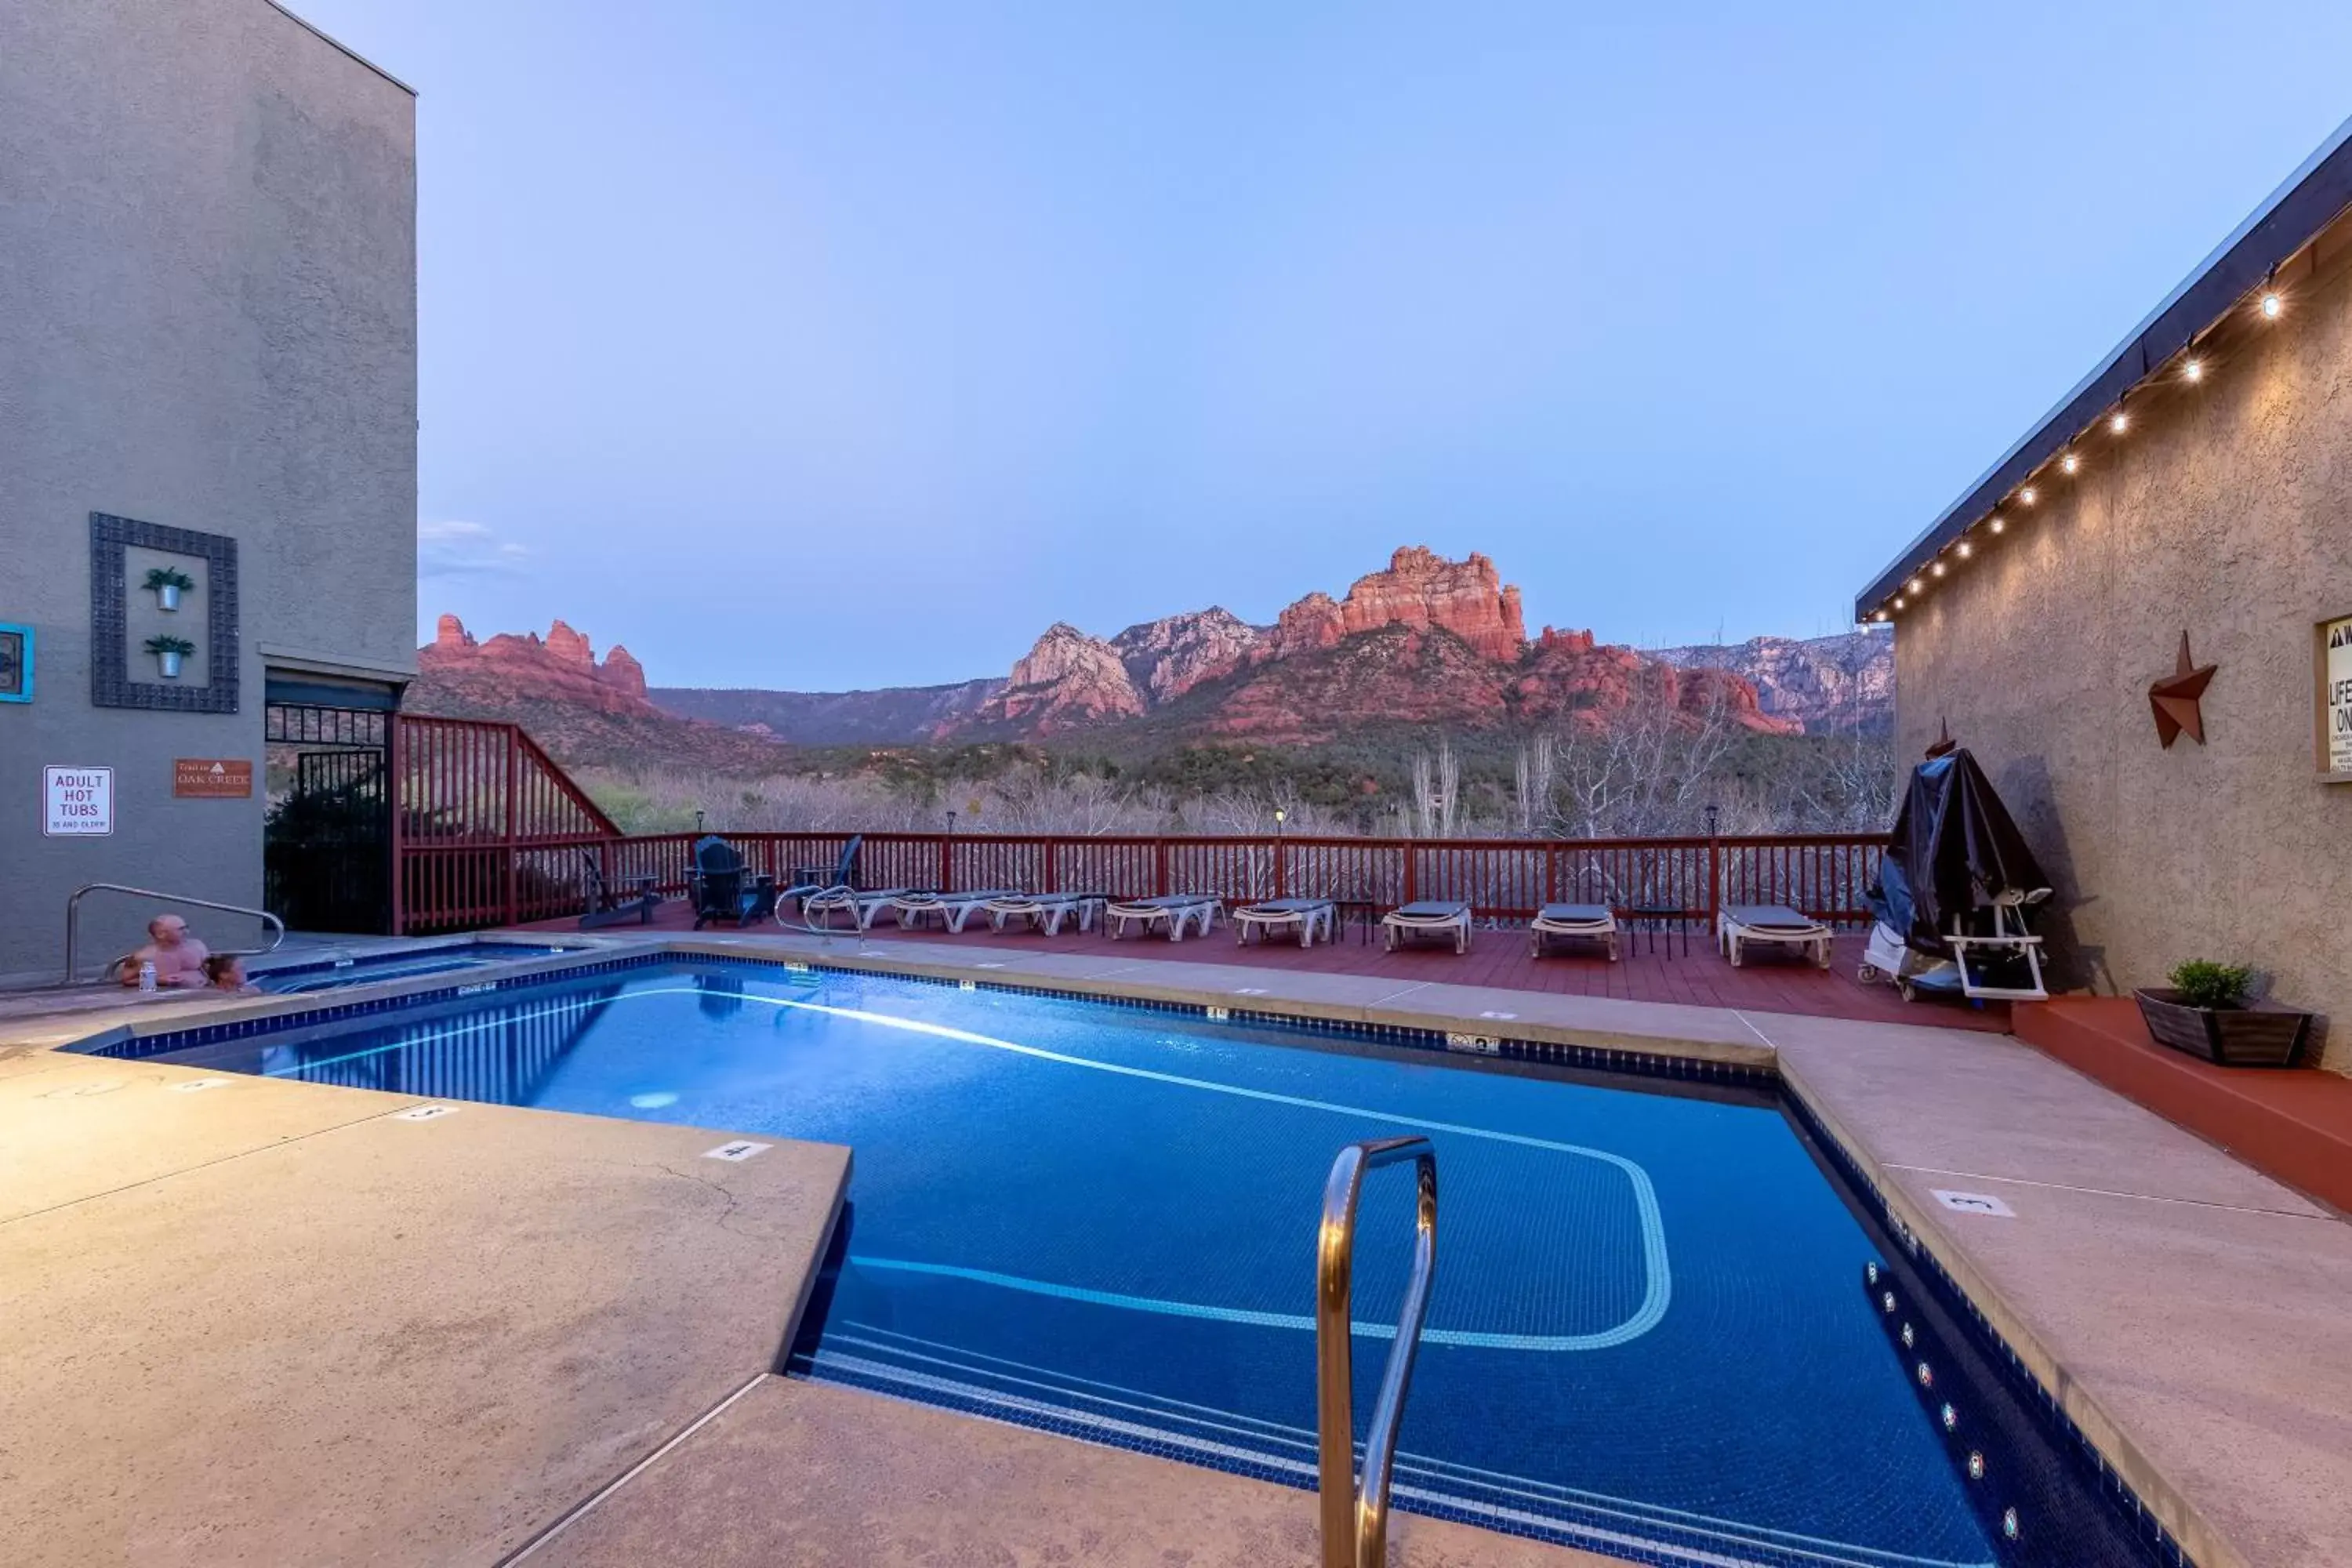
[{"x": 1655, "y": 967}]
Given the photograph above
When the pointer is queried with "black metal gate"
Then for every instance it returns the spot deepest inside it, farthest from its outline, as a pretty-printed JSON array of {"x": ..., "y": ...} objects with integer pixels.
[{"x": 326, "y": 847}]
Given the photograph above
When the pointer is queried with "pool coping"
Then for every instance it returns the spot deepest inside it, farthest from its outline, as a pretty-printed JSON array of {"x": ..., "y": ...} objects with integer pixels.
[{"x": 2175, "y": 1523}]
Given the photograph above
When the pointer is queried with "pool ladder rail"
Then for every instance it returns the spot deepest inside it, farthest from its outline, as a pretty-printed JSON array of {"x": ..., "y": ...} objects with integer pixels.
[
  {"x": 73, "y": 924},
  {"x": 1355, "y": 1511}
]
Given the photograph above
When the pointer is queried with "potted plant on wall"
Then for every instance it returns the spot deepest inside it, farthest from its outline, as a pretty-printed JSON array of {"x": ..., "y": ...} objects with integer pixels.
[
  {"x": 167, "y": 582},
  {"x": 169, "y": 651},
  {"x": 2204, "y": 1013}
]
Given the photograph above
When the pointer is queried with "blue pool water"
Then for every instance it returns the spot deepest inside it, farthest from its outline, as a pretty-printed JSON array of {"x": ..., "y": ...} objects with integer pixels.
[
  {"x": 1651, "y": 1332},
  {"x": 326, "y": 974}
]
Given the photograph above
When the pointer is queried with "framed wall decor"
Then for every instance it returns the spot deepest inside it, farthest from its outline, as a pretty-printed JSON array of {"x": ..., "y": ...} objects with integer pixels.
[
  {"x": 198, "y": 627},
  {"x": 15, "y": 662}
]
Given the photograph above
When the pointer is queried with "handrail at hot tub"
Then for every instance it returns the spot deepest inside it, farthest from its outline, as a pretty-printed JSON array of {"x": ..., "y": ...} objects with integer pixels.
[
  {"x": 1355, "y": 1514},
  {"x": 73, "y": 920}
]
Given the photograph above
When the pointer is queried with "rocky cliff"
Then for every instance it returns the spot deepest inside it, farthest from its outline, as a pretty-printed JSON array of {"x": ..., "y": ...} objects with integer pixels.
[
  {"x": 1422, "y": 591},
  {"x": 1844, "y": 681},
  {"x": 560, "y": 668}
]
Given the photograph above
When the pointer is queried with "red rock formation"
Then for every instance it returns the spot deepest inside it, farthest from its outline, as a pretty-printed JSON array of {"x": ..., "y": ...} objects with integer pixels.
[
  {"x": 563, "y": 669},
  {"x": 1420, "y": 590},
  {"x": 1067, "y": 679},
  {"x": 1170, "y": 657},
  {"x": 1567, "y": 674}
]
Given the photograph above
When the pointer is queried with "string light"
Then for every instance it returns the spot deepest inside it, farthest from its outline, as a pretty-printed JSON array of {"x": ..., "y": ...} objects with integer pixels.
[
  {"x": 2194, "y": 370},
  {"x": 2070, "y": 462},
  {"x": 1938, "y": 568},
  {"x": 1966, "y": 549},
  {"x": 1999, "y": 523},
  {"x": 1917, "y": 587},
  {"x": 2026, "y": 494},
  {"x": 1898, "y": 601},
  {"x": 2120, "y": 423},
  {"x": 2273, "y": 304}
]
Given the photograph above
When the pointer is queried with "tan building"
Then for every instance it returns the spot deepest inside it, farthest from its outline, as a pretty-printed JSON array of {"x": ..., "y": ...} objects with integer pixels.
[
  {"x": 208, "y": 322},
  {"x": 2198, "y": 482}
]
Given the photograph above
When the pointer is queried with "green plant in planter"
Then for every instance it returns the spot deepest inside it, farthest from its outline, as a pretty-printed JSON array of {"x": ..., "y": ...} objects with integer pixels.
[
  {"x": 159, "y": 646},
  {"x": 162, "y": 577},
  {"x": 2201, "y": 983}
]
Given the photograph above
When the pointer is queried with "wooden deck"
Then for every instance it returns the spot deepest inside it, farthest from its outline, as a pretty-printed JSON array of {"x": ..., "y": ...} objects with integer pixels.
[{"x": 1655, "y": 967}]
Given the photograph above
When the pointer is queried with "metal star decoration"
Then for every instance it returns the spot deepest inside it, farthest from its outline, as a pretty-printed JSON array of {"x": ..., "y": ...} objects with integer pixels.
[{"x": 2175, "y": 699}]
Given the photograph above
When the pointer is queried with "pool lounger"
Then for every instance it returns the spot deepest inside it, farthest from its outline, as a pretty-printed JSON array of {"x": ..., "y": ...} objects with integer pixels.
[
  {"x": 1572, "y": 922},
  {"x": 1437, "y": 915},
  {"x": 862, "y": 905},
  {"x": 1045, "y": 912},
  {"x": 1736, "y": 925},
  {"x": 1308, "y": 915},
  {"x": 953, "y": 908},
  {"x": 1175, "y": 910}
]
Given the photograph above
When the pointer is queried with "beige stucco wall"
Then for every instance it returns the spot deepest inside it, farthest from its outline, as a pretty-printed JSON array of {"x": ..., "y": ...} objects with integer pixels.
[
  {"x": 2225, "y": 511},
  {"x": 207, "y": 320}
]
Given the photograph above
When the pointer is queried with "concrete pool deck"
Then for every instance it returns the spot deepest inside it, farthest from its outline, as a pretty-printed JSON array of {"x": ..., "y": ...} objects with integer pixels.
[{"x": 2186, "y": 1312}]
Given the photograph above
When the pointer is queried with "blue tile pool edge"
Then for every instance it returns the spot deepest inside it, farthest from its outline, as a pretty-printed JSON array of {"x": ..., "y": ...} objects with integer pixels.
[{"x": 120, "y": 1044}]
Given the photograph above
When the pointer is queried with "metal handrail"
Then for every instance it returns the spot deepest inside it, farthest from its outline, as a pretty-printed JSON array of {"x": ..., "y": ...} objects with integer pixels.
[
  {"x": 1356, "y": 1512},
  {"x": 73, "y": 921}
]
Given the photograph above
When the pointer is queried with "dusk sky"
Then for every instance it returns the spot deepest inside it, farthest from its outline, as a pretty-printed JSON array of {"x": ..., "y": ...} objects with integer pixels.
[{"x": 851, "y": 345}]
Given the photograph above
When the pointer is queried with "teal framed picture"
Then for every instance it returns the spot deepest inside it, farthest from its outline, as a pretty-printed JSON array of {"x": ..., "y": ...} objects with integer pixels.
[{"x": 16, "y": 663}]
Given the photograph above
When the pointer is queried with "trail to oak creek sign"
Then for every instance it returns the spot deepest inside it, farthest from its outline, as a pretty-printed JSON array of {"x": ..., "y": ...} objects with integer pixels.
[
  {"x": 211, "y": 778},
  {"x": 77, "y": 802}
]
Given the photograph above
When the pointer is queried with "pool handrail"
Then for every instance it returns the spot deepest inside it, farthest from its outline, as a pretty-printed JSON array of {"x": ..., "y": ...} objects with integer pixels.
[
  {"x": 1355, "y": 1513},
  {"x": 73, "y": 921}
]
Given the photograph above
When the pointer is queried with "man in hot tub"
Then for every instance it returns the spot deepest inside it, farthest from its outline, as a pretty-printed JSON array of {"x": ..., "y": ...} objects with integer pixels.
[{"x": 179, "y": 958}]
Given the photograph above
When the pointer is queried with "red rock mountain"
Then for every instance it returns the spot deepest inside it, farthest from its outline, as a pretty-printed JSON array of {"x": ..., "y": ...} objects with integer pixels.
[
  {"x": 561, "y": 668},
  {"x": 1425, "y": 642}
]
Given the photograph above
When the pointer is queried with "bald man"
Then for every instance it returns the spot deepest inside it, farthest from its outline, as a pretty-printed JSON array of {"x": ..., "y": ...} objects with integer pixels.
[{"x": 179, "y": 958}]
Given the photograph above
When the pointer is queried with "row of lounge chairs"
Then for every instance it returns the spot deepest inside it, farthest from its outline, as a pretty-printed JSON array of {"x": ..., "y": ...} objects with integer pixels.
[{"x": 724, "y": 888}]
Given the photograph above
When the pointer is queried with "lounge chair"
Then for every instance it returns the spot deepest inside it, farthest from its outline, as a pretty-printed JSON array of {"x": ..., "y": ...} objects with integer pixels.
[
  {"x": 1175, "y": 910},
  {"x": 1308, "y": 915},
  {"x": 1046, "y": 911},
  {"x": 863, "y": 906},
  {"x": 1736, "y": 926},
  {"x": 953, "y": 908},
  {"x": 722, "y": 889},
  {"x": 1572, "y": 922},
  {"x": 1427, "y": 916},
  {"x": 807, "y": 879}
]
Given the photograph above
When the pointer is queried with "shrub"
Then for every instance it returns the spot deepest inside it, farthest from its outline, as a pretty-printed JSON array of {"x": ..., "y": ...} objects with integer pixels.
[{"x": 2201, "y": 983}]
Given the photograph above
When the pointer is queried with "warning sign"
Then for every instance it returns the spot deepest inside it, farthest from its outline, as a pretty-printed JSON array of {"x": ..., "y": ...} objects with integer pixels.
[
  {"x": 211, "y": 778},
  {"x": 77, "y": 802},
  {"x": 2336, "y": 696}
]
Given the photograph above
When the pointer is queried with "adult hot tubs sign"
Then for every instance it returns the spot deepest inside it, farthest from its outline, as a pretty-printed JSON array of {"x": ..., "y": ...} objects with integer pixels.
[
  {"x": 77, "y": 802},
  {"x": 2335, "y": 696}
]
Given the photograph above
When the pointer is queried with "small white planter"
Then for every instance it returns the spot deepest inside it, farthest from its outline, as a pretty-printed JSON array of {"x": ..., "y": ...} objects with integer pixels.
[
  {"x": 167, "y": 597},
  {"x": 170, "y": 662}
]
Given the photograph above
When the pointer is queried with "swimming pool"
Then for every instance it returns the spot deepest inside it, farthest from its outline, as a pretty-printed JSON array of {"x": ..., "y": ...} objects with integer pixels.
[
  {"x": 331, "y": 974},
  {"x": 1652, "y": 1334}
]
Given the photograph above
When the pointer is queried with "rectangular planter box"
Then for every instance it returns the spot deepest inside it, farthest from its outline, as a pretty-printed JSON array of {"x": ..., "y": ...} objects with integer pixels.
[{"x": 2233, "y": 1036}]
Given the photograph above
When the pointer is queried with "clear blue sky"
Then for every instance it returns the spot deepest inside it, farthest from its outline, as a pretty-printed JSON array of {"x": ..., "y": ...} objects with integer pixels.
[{"x": 829, "y": 345}]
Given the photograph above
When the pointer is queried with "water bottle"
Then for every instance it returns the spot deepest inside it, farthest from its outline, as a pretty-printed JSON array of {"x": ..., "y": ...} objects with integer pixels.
[{"x": 147, "y": 977}]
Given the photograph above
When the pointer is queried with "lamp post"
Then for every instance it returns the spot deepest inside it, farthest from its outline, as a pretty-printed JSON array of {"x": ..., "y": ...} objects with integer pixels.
[{"x": 1279, "y": 816}]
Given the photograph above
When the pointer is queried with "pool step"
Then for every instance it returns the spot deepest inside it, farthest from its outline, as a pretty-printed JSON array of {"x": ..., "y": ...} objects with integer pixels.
[{"x": 885, "y": 1361}]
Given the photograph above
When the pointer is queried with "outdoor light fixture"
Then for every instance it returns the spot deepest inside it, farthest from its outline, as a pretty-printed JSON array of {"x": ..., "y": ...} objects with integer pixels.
[
  {"x": 2026, "y": 494},
  {"x": 2273, "y": 304},
  {"x": 1999, "y": 523},
  {"x": 1966, "y": 549},
  {"x": 1917, "y": 587},
  {"x": 2120, "y": 423},
  {"x": 1939, "y": 568},
  {"x": 2193, "y": 370},
  {"x": 2070, "y": 462}
]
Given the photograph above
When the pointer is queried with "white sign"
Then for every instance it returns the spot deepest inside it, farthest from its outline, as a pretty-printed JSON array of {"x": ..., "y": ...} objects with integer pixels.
[
  {"x": 739, "y": 1151},
  {"x": 78, "y": 802},
  {"x": 1974, "y": 1203},
  {"x": 2335, "y": 701}
]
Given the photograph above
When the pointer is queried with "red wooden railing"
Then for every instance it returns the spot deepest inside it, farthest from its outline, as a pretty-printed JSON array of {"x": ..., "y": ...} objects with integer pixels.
[
  {"x": 487, "y": 829},
  {"x": 491, "y": 832}
]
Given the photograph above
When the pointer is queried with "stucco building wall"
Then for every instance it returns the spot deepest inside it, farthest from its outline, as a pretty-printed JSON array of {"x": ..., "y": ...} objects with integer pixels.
[
  {"x": 207, "y": 321},
  {"x": 2224, "y": 510}
]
